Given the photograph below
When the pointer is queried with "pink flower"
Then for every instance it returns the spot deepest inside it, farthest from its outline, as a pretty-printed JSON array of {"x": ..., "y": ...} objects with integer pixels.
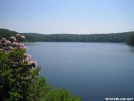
[
  {"x": 12, "y": 38},
  {"x": 18, "y": 35},
  {"x": 8, "y": 42},
  {"x": 1, "y": 49},
  {"x": 15, "y": 44},
  {"x": 10, "y": 48},
  {"x": 3, "y": 40},
  {"x": 22, "y": 37},
  {"x": 24, "y": 47},
  {"x": 20, "y": 45},
  {"x": 33, "y": 63},
  {"x": 27, "y": 57},
  {"x": 25, "y": 54}
]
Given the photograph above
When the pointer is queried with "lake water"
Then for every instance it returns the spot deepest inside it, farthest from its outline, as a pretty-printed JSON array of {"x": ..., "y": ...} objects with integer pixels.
[{"x": 93, "y": 71}]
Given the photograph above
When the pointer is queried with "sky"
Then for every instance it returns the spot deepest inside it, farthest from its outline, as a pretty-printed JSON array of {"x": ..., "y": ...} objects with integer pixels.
[{"x": 67, "y": 16}]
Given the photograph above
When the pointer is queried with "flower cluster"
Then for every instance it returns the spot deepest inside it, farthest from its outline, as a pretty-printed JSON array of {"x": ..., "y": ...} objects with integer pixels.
[
  {"x": 5, "y": 45},
  {"x": 9, "y": 45},
  {"x": 12, "y": 38},
  {"x": 31, "y": 63},
  {"x": 20, "y": 37}
]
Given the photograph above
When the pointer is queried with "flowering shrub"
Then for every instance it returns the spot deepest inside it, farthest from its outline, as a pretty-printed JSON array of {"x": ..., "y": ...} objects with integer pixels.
[
  {"x": 10, "y": 45},
  {"x": 16, "y": 69},
  {"x": 20, "y": 80}
]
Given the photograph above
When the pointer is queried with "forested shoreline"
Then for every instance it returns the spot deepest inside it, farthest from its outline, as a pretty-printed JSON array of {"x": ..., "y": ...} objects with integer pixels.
[{"x": 35, "y": 37}]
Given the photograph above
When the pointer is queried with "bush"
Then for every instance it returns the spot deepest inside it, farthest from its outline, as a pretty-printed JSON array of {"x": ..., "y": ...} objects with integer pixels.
[{"x": 20, "y": 80}]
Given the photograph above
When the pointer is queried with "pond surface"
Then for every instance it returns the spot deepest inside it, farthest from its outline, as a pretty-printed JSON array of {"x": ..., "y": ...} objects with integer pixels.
[{"x": 93, "y": 71}]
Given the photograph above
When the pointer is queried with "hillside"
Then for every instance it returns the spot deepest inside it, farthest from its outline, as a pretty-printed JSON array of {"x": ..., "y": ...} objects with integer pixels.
[
  {"x": 110, "y": 37},
  {"x": 5, "y": 33}
]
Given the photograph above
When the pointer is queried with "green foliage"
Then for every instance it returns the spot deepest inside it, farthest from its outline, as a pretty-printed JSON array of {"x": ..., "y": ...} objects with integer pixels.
[
  {"x": 38, "y": 89},
  {"x": 20, "y": 80},
  {"x": 5, "y": 33},
  {"x": 131, "y": 41},
  {"x": 61, "y": 95},
  {"x": 110, "y": 37},
  {"x": 14, "y": 83}
]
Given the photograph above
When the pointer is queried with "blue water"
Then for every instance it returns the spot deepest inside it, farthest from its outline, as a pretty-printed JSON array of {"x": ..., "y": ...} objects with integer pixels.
[{"x": 93, "y": 71}]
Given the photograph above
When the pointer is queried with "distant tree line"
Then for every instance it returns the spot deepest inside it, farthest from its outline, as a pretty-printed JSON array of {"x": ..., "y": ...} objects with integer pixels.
[
  {"x": 110, "y": 37},
  {"x": 5, "y": 33}
]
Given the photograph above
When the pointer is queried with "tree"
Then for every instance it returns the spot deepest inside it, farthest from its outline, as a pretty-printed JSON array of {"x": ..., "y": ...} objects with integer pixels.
[
  {"x": 131, "y": 41},
  {"x": 20, "y": 80}
]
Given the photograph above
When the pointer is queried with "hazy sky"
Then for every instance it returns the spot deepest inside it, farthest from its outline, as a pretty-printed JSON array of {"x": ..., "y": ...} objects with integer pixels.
[{"x": 67, "y": 16}]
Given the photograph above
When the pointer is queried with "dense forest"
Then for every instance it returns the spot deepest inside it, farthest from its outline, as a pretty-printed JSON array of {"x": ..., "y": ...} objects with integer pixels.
[
  {"x": 109, "y": 37},
  {"x": 5, "y": 33}
]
